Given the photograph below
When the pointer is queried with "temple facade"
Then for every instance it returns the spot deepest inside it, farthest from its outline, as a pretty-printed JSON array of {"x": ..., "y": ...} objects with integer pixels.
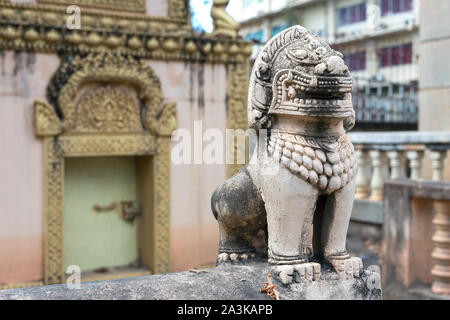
[{"x": 91, "y": 96}]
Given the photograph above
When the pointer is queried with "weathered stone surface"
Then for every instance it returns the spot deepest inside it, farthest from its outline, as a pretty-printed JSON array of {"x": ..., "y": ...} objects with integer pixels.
[
  {"x": 226, "y": 282},
  {"x": 408, "y": 231}
]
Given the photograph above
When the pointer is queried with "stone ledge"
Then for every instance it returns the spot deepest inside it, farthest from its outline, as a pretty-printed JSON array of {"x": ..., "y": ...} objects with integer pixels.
[
  {"x": 226, "y": 282},
  {"x": 400, "y": 137}
]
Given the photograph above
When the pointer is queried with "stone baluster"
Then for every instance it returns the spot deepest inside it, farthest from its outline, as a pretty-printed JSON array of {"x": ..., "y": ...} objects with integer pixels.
[
  {"x": 362, "y": 183},
  {"x": 437, "y": 163},
  {"x": 377, "y": 181},
  {"x": 440, "y": 255},
  {"x": 396, "y": 163},
  {"x": 415, "y": 163}
]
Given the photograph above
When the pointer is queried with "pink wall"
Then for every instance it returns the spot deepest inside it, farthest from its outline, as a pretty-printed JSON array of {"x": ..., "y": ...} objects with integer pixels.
[
  {"x": 200, "y": 93},
  {"x": 23, "y": 78}
]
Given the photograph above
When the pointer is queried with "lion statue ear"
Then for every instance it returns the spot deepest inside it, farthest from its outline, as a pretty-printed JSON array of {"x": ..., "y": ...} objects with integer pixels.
[
  {"x": 258, "y": 120},
  {"x": 349, "y": 123}
]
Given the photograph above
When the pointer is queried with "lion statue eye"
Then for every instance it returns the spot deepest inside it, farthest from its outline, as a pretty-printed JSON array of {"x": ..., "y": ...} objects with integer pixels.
[
  {"x": 300, "y": 54},
  {"x": 321, "y": 51},
  {"x": 314, "y": 43}
]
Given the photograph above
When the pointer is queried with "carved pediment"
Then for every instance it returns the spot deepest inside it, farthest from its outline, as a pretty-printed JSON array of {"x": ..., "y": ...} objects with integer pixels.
[
  {"x": 107, "y": 109},
  {"x": 105, "y": 92},
  {"x": 47, "y": 122}
]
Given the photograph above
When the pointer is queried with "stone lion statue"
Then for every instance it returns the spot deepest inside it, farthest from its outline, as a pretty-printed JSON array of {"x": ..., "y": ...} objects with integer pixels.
[{"x": 299, "y": 185}]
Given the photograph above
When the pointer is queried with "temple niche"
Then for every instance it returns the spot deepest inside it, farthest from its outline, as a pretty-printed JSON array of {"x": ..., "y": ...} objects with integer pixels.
[{"x": 86, "y": 123}]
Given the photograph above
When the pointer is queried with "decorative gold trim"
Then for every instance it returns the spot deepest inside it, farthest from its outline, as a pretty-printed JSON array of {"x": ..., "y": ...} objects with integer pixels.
[
  {"x": 129, "y": 5},
  {"x": 16, "y": 285},
  {"x": 60, "y": 147},
  {"x": 104, "y": 67},
  {"x": 46, "y": 120},
  {"x": 50, "y": 12},
  {"x": 109, "y": 108},
  {"x": 158, "y": 122},
  {"x": 42, "y": 28},
  {"x": 179, "y": 9},
  {"x": 237, "y": 106},
  {"x": 224, "y": 24}
]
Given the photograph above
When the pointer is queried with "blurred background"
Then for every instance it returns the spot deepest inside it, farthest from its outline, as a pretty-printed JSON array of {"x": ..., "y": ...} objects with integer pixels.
[{"x": 378, "y": 38}]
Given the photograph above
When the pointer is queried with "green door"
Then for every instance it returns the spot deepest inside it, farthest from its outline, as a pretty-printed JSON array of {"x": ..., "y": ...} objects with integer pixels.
[{"x": 96, "y": 237}]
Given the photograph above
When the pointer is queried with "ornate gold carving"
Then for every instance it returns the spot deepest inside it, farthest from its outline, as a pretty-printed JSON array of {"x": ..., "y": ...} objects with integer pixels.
[
  {"x": 42, "y": 28},
  {"x": 16, "y": 285},
  {"x": 56, "y": 150},
  {"x": 47, "y": 122},
  {"x": 162, "y": 205},
  {"x": 129, "y": 5},
  {"x": 107, "y": 109},
  {"x": 237, "y": 105},
  {"x": 224, "y": 24},
  {"x": 178, "y": 10},
  {"x": 109, "y": 67},
  {"x": 167, "y": 120}
]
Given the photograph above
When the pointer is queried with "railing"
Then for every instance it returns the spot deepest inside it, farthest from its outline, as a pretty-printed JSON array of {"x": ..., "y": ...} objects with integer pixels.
[
  {"x": 392, "y": 155},
  {"x": 385, "y": 103}
]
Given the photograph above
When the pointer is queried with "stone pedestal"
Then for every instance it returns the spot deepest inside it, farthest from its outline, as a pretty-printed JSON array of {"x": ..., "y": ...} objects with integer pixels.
[{"x": 226, "y": 282}]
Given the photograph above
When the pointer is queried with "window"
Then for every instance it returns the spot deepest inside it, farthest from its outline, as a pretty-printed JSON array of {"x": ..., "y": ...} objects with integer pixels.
[
  {"x": 352, "y": 14},
  {"x": 356, "y": 61},
  {"x": 320, "y": 33},
  {"x": 395, "y": 55},
  {"x": 277, "y": 29},
  {"x": 256, "y": 35},
  {"x": 395, "y": 6},
  {"x": 247, "y": 3},
  {"x": 250, "y": 2}
]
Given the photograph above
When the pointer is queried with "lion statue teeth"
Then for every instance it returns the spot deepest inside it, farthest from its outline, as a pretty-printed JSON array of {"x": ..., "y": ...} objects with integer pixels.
[{"x": 300, "y": 182}]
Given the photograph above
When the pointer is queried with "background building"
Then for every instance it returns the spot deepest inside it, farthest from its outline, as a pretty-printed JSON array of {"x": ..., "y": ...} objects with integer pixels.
[{"x": 379, "y": 39}]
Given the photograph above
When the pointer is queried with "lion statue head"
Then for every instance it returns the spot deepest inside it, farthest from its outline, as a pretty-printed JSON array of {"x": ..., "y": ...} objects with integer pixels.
[{"x": 297, "y": 73}]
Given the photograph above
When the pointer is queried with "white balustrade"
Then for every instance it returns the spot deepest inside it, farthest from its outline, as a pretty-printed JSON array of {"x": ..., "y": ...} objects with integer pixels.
[
  {"x": 377, "y": 180},
  {"x": 437, "y": 164},
  {"x": 362, "y": 188},
  {"x": 415, "y": 163},
  {"x": 396, "y": 163},
  {"x": 395, "y": 155}
]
